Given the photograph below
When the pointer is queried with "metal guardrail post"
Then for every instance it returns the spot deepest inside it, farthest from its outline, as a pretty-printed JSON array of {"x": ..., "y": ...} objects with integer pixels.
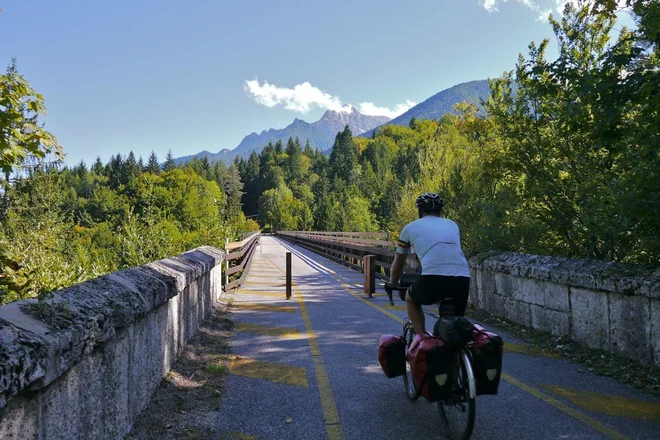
[
  {"x": 369, "y": 269},
  {"x": 226, "y": 263},
  {"x": 288, "y": 275}
]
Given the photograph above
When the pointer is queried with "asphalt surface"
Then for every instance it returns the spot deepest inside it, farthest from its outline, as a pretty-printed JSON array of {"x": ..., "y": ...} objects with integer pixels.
[{"x": 307, "y": 368}]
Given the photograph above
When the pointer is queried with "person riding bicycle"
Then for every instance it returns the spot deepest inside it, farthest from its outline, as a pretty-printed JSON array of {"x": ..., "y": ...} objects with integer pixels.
[{"x": 445, "y": 272}]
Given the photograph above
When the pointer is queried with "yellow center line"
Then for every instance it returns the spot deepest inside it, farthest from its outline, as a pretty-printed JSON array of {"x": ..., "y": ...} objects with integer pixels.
[
  {"x": 618, "y": 406},
  {"x": 609, "y": 432},
  {"x": 332, "y": 423}
]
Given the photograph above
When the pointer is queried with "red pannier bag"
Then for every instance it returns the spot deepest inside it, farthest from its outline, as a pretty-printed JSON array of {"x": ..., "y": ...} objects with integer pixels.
[
  {"x": 487, "y": 350},
  {"x": 430, "y": 362},
  {"x": 392, "y": 355}
]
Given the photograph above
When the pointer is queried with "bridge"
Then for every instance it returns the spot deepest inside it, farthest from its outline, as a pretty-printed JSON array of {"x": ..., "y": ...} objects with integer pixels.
[{"x": 306, "y": 367}]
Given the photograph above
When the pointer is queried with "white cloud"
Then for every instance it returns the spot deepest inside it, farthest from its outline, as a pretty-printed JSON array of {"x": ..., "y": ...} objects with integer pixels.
[
  {"x": 490, "y": 5},
  {"x": 301, "y": 98},
  {"x": 542, "y": 7},
  {"x": 305, "y": 97},
  {"x": 369, "y": 108}
]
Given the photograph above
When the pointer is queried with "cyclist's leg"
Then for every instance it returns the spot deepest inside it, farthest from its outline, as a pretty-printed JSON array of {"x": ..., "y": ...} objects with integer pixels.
[
  {"x": 458, "y": 289},
  {"x": 422, "y": 292},
  {"x": 416, "y": 314}
]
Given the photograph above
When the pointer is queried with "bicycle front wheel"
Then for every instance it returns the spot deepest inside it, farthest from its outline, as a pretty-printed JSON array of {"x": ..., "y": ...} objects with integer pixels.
[
  {"x": 458, "y": 412},
  {"x": 408, "y": 383}
]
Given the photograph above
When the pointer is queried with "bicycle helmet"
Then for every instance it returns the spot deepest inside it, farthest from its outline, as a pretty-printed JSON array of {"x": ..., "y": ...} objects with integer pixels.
[{"x": 429, "y": 203}]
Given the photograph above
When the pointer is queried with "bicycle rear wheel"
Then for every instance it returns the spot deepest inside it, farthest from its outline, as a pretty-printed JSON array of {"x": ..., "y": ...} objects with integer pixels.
[
  {"x": 408, "y": 383},
  {"x": 458, "y": 412}
]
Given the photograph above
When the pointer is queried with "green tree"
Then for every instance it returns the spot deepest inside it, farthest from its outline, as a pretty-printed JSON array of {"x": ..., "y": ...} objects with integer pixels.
[
  {"x": 153, "y": 166},
  {"x": 169, "y": 163}
]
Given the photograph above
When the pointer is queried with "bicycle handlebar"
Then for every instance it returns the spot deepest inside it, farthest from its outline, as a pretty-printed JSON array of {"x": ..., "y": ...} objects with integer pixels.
[{"x": 389, "y": 289}]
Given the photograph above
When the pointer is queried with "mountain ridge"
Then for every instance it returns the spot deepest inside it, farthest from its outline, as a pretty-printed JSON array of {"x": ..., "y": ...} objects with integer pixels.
[{"x": 321, "y": 133}]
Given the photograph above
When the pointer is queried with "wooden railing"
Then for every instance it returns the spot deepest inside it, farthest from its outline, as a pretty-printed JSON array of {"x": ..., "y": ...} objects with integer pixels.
[
  {"x": 350, "y": 248},
  {"x": 238, "y": 258}
]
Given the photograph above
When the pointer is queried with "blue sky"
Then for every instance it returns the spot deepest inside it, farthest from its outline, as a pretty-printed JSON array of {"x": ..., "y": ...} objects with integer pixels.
[{"x": 191, "y": 75}]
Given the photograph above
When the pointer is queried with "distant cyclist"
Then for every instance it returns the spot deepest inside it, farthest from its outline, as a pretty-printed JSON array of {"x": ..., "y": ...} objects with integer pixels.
[{"x": 445, "y": 272}]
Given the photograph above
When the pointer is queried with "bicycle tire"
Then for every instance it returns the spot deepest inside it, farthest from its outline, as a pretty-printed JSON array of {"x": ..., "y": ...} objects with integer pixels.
[
  {"x": 464, "y": 401},
  {"x": 409, "y": 385}
]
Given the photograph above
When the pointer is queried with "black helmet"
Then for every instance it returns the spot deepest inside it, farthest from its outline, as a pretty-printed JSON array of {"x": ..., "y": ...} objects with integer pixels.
[{"x": 429, "y": 202}]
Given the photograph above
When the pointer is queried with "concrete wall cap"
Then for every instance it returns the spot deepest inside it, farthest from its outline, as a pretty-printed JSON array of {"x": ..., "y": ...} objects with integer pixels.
[
  {"x": 588, "y": 274},
  {"x": 37, "y": 345}
]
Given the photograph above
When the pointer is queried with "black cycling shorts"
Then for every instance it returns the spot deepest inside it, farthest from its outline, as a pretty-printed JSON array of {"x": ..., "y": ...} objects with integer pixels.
[{"x": 431, "y": 289}]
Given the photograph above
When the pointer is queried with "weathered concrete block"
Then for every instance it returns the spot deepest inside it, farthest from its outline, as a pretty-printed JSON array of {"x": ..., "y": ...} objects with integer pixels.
[
  {"x": 116, "y": 416},
  {"x": 591, "y": 320},
  {"x": 78, "y": 393},
  {"x": 494, "y": 303},
  {"x": 147, "y": 360},
  {"x": 555, "y": 296},
  {"x": 517, "y": 311},
  {"x": 533, "y": 291},
  {"x": 487, "y": 282},
  {"x": 630, "y": 326},
  {"x": 476, "y": 295},
  {"x": 508, "y": 285},
  {"x": 655, "y": 330},
  {"x": 548, "y": 320},
  {"x": 19, "y": 419}
]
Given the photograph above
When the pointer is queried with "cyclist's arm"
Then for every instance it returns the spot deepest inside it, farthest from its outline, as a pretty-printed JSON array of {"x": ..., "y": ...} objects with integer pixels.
[
  {"x": 397, "y": 268},
  {"x": 403, "y": 247}
]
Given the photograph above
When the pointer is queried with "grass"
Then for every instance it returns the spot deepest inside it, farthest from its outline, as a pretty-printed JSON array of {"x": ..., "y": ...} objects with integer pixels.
[
  {"x": 191, "y": 390},
  {"x": 217, "y": 369}
]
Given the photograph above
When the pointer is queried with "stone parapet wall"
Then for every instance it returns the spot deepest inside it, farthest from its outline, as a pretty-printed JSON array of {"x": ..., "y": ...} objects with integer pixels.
[
  {"x": 87, "y": 366},
  {"x": 608, "y": 306}
]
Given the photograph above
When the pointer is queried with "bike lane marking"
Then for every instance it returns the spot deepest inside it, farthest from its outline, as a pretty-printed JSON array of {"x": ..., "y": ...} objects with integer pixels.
[
  {"x": 607, "y": 404},
  {"x": 331, "y": 415},
  {"x": 270, "y": 371},
  {"x": 566, "y": 409}
]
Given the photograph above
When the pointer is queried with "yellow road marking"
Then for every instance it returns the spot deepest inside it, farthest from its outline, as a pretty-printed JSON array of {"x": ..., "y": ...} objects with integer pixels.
[
  {"x": 263, "y": 283},
  {"x": 332, "y": 423},
  {"x": 608, "y": 404},
  {"x": 530, "y": 350},
  {"x": 276, "y": 373},
  {"x": 237, "y": 436},
  {"x": 261, "y": 293},
  {"x": 265, "y": 307},
  {"x": 609, "y": 432},
  {"x": 603, "y": 429},
  {"x": 283, "y": 332},
  {"x": 401, "y": 308}
]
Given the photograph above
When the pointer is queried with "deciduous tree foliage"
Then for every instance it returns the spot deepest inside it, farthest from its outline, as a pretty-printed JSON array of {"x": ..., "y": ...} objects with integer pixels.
[{"x": 564, "y": 162}]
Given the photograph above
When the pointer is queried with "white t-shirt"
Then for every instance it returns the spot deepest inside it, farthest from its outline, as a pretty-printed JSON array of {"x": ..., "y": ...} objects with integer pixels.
[{"x": 437, "y": 242}]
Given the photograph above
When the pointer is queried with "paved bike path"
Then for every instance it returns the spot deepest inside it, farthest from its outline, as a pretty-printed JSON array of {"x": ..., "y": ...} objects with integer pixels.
[{"x": 345, "y": 382}]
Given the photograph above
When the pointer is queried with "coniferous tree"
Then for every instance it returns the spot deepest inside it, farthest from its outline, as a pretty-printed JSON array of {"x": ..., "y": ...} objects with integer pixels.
[
  {"x": 153, "y": 166},
  {"x": 169, "y": 164},
  {"x": 97, "y": 168}
]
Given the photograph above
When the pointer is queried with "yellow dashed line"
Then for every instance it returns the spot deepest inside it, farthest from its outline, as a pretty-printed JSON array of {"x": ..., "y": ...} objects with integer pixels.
[
  {"x": 401, "y": 308},
  {"x": 261, "y": 293},
  {"x": 282, "y": 332},
  {"x": 237, "y": 436},
  {"x": 263, "y": 283},
  {"x": 609, "y": 432},
  {"x": 264, "y": 307},
  {"x": 595, "y": 424},
  {"x": 276, "y": 373},
  {"x": 332, "y": 423},
  {"x": 530, "y": 350},
  {"x": 608, "y": 404}
]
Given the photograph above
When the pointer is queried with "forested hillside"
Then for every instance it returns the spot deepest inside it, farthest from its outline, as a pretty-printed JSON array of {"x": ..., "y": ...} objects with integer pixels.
[
  {"x": 568, "y": 165},
  {"x": 60, "y": 226}
]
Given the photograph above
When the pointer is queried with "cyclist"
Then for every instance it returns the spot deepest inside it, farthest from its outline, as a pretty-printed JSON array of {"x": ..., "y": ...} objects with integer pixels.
[{"x": 445, "y": 272}]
